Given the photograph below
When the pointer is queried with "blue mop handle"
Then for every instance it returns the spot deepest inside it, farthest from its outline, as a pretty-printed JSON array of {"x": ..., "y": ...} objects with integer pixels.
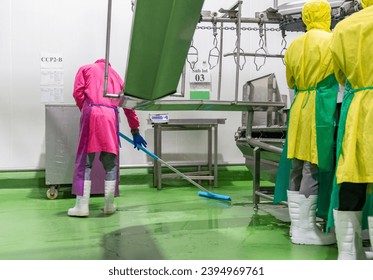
[
  {"x": 163, "y": 162},
  {"x": 139, "y": 146},
  {"x": 204, "y": 192}
]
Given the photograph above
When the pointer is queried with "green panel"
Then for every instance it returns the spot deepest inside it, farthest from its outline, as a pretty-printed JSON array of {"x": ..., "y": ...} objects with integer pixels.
[
  {"x": 200, "y": 95},
  {"x": 161, "y": 34}
]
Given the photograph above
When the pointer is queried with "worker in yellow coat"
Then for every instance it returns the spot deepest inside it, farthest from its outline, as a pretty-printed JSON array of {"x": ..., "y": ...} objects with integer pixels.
[
  {"x": 311, "y": 126},
  {"x": 351, "y": 199}
]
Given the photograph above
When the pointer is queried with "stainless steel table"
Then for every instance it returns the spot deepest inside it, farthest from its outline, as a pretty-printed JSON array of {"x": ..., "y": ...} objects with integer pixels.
[{"x": 211, "y": 126}]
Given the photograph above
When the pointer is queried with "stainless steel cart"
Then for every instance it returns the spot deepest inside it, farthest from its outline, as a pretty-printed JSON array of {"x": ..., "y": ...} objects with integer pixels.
[{"x": 61, "y": 137}]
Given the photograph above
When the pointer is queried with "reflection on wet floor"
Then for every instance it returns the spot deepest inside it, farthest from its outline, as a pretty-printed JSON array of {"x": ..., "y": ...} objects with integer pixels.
[{"x": 171, "y": 224}]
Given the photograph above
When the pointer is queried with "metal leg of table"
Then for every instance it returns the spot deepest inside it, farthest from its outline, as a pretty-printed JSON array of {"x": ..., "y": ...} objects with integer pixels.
[
  {"x": 256, "y": 177},
  {"x": 209, "y": 152},
  {"x": 216, "y": 156}
]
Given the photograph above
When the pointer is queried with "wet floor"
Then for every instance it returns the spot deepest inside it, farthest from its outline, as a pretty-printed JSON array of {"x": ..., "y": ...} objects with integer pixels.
[{"x": 171, "y": 224}]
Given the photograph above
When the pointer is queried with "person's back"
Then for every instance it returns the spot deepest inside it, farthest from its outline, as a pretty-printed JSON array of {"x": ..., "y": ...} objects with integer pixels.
[
  {"x": 99, "y": 134},
  {"x": 308, "y": 62},
  {"x": 90, "y": 77},
  {"x": 308, "y": 59},
  {"x": 352, "y": 49},
  {"x": 352, "y": 54},
  {"x": 352, "y": 199},
  {"x": 309, "y": 144}
]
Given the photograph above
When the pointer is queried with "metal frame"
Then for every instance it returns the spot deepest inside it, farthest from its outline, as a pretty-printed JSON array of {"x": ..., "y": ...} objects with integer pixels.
[
  {"x": 234, "y": 15},
  {"x": 209, "y": 125}
]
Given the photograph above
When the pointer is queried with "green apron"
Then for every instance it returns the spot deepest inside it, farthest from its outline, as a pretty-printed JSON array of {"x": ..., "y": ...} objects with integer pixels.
[
  {"x": 326, "y": 102},
  {"x": 334, "y": 200}
]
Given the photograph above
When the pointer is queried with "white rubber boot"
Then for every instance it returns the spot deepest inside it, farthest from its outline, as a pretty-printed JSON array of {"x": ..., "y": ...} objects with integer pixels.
[
  {"x": 81, "y": 208},
  {"x": 348, "y": 230},
  {"x": 109, "y": 207},
  {"x": 302, "y": 213},
  {"x": 292, "y": 193},
  {"x": 369, "y": 254}
]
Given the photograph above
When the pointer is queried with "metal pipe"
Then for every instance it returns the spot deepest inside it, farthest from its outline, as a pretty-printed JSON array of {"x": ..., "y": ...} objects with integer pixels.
[
  {"x": 249, "y": 124},
  {"x": 238, "y": 47},
  {"x": 220, "y": 60},
  {"x": 264, "y": 146},
  {"x": 216, "y": 156},
  {"x": 275, "y": 4},
  {"x": 269, "y": 197},
  {"x": 256, "y": 176},
  {"x": 108, "y": 28},
  {"x": 243, "y": 20},
  {"x": 256, "y": 54}
]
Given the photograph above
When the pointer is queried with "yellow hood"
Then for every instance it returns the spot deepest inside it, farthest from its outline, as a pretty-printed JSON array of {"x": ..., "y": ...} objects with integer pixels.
[
  {"x": 316, "y": 14},
  {"x": 366, "y": 3}
]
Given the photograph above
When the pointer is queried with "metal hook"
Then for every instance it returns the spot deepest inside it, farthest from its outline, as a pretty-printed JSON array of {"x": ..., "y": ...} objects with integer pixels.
[
  {"x": 284, "y": 44},
  {"x": 260, "y": 49},
  {"x": 241, "y": 52},
  {"x": 214, "y": 53},
  {"x": 192, "y": 52},
  {"x": 257, "y": 54}
]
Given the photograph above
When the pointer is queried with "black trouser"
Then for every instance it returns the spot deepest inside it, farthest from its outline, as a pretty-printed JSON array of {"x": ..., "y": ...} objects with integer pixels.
[{"x": 352, "y": 196}]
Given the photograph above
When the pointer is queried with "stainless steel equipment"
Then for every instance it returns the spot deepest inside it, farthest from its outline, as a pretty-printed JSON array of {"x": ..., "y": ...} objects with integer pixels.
[
  {"x": 61, "y": 137},
  {"x": 291, "y": 13},
  {"x": 262, "y": 135}
]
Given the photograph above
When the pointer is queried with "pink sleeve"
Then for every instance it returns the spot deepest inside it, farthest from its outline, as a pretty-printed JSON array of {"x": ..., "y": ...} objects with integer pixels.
[
  {"x": 133, "y": 120},
  {"x": 79, "y": 87}
]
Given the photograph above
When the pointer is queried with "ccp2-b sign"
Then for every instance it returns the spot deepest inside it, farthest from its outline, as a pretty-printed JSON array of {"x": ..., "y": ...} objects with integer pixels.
[{"x": 51, "y": 61}]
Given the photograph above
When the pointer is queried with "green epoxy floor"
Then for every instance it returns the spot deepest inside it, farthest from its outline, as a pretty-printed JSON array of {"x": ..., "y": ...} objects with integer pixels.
[{"x": 171, "y": 224}]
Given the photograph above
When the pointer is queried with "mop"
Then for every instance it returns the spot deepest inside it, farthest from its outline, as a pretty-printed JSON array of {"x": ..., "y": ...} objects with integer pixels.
[{"x": 204, "y": 192}]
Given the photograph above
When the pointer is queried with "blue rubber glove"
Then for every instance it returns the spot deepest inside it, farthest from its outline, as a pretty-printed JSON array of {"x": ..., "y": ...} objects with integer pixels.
[{"x": 138, "y": 140}]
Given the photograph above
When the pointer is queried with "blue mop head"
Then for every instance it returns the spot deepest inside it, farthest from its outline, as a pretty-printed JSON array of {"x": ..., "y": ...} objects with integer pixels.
[{"x": 214, "y": 195}]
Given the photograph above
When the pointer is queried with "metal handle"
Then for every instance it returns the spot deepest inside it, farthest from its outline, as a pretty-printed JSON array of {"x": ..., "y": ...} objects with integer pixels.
[{"x": 108, "y": 28}]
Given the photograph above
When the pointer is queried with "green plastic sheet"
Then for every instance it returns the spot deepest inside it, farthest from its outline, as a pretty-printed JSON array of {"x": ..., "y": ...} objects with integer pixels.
[{"x": 162, "y": 31}]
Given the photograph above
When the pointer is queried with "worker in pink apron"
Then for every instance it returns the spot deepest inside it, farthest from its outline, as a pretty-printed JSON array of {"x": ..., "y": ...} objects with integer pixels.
[{"x": 99, "y": 134}]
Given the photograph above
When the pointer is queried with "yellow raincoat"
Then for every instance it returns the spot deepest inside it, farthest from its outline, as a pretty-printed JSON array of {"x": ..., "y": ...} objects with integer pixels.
[
  {"x": 311, "y": 125},
  {"x": 308, "y": 61},
  {"x": 351, "y": 49},
  {"x": 353, "y": 56}
]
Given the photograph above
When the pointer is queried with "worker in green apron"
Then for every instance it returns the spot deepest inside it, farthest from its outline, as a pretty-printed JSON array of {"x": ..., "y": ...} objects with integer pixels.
[
  {"x": 351, "y": 203},
  {"x": 305, "y": 175}
]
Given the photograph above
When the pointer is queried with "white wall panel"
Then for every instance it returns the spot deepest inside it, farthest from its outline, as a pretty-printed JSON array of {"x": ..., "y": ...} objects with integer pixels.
[{"x": 77, "y": 30}]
